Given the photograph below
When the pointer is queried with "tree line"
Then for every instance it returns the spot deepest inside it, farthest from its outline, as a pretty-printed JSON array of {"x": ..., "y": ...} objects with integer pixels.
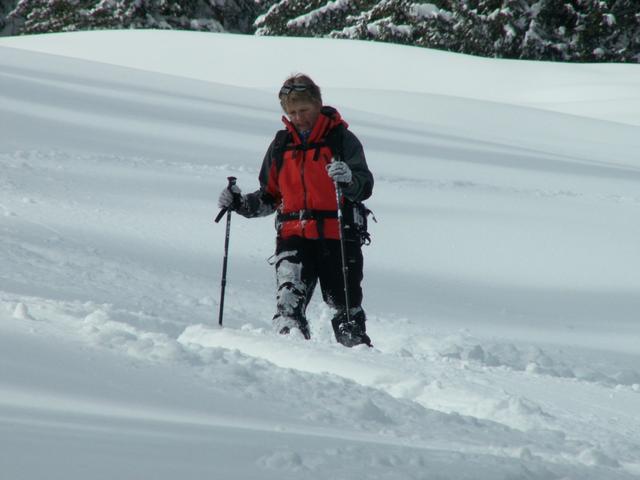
[{"x": 557, "y": 30}]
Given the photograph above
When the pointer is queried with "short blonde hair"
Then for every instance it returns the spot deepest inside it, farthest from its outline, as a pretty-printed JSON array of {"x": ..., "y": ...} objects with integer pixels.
[{"x": 310, "y": 94}]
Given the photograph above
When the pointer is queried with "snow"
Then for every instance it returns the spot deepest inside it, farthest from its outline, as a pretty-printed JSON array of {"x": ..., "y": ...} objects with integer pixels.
[
  {"x": 308, "y": 18},
  {"x": 502, "y": 285},
  {"x": 425, "y": 10}
]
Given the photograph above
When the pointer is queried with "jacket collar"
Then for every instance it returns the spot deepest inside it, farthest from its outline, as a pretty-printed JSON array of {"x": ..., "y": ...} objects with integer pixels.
[{"x": 329, "y": 118}]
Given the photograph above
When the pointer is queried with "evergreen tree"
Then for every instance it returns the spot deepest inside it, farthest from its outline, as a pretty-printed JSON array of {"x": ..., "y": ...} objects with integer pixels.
[
  {"x": 583, "y": 30},
  {"x": 160, "y": 14},
  {"x": 387, "y": 21},
  {"x": 6, "y": 6},
  {"x": 434, "y": 24},
  {"x": 608, "y": 31},
  {"x": 569, "y": 30},
  {"x": 489, "y": 27},
  {"x": 37, "y": 16},
  {"x": 546, "y": 36},
  {"x": 332, "y": 16},
  {"x": 41, "y": 16},
  {"x": 594, "y": 33},
  {"x": 275, "y": 21},
  {"x": 625, "y": 44},
  {"x": 400, "y": 21},
  {"x": 234, "y": 15}
]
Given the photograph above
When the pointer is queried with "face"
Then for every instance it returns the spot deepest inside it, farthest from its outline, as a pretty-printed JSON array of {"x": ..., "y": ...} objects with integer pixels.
[{"x": 303, "y": 115}]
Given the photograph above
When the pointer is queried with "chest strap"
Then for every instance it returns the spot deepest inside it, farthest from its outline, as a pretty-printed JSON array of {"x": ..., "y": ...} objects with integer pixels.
[{"x": 316, "y": 146}]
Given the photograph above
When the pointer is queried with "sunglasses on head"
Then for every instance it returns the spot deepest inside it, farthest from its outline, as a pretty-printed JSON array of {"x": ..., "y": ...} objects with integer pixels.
[{"x": 296, "y": 87}]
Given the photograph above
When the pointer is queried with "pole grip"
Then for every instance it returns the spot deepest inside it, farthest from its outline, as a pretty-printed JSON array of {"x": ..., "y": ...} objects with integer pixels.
[{"x": 232, "y": 182}]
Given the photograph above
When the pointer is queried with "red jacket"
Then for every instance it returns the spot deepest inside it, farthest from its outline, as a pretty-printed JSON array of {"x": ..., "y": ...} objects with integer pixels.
[{"x": 297, "y": 185}]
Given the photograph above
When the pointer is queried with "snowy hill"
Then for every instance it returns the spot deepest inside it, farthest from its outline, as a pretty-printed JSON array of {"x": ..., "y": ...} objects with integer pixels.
[{"x": 502, "y": 285}]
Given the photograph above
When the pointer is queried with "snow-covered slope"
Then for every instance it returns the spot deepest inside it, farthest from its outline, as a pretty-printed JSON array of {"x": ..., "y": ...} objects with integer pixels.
[{"x": 502, "y": 285}]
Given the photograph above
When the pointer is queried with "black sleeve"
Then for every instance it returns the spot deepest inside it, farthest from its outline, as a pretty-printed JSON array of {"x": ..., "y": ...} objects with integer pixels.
[
  {"x": 260, "y": 203},
  {"x": 263, "y": 177},
  {"x": 361, "y": 186}
]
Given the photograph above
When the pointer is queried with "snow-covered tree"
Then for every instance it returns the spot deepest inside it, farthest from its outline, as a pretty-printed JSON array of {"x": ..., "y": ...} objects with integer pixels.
[
  {"x": 488, "y": 27},
  {"x": 41, "y": 16},
  {"x": 578, "y": 30},
  {"x": 161, "y": 14},
  {"x": 5, "y": 7},
  {"x": 551, "y": 31},
  {"x": 388, "y": 21},
  {"x": 583, "y": 30},
  {"x": 625, "y": 44},
  {"x": 61, "y": 15},
  {"x": 595, "y": 32},
  {"x": 332, "y": 16},
  {"x": 275, "y": 20}
]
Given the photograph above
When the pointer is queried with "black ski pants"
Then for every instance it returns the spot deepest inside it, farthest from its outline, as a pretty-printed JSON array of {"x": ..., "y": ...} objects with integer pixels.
[{"x": 301, "y": 263}]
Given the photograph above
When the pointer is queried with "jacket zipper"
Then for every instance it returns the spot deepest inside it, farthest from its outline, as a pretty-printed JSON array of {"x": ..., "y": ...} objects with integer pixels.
[{"x": 304, "y": 189}]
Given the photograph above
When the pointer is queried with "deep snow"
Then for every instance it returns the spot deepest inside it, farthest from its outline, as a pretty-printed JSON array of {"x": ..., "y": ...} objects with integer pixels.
[{"x": 502, "y": 285}]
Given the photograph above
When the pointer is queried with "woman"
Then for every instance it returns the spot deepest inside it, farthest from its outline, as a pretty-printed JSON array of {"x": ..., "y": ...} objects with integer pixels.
[{"x": 298, "y": 179}]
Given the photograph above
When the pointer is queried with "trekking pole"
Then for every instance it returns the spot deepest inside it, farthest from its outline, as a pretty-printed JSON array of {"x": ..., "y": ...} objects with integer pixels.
[
  {"x": 223, "y": 284},
  {"x": 345, "y": 268}
]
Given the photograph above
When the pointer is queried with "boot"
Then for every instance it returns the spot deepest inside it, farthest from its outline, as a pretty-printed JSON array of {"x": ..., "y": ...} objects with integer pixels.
[
  {"x": 284, "y": 326},
  {"x": 353, "y": 332}
]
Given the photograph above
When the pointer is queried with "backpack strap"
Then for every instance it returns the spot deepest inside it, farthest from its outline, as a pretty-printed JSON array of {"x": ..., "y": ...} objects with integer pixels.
[
  {"x": 279, "y": 146},
  {"x": 335, "y": 140}
]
